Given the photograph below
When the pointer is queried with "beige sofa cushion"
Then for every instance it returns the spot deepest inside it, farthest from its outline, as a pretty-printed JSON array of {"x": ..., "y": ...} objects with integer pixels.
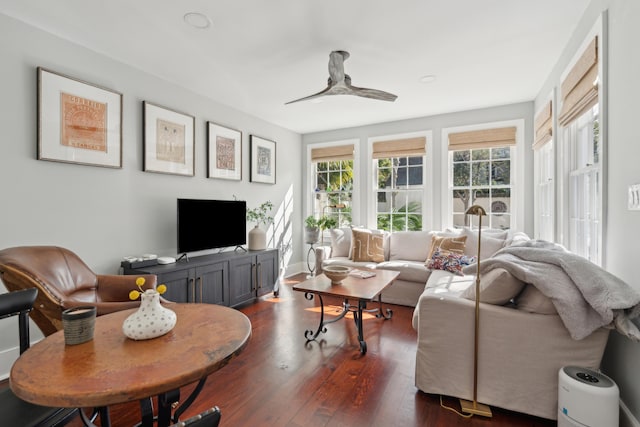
[
  {"x": 492, "y": 242},
  {"x": 411, "y": 271},
  {"x": 368, "y": 245},
  {"x": 409, "y": 245},
  {"x": 534, "y": 301},
  {"x": 340, "y": 242},
  {"x": 497, "y": 287}
]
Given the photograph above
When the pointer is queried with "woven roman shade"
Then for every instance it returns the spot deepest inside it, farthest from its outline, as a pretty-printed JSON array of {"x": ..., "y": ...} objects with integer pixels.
[
  {"x": 400, "y": 148},
  {"x": 332, "y": 154},
  {"x": 580, "y": 87},
  {"x": 485, "y": 138},
  {"x": 543, "y": 126}
]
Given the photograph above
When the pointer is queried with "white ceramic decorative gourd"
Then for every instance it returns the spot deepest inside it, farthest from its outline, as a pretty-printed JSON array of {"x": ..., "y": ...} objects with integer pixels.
[{"x": 151, "y": 320}]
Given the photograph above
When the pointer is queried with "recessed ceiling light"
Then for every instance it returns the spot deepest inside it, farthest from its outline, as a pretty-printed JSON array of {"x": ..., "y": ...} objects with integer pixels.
[
  {"x": 197, "y": 20},
  {"x": 428, "y": 79}
]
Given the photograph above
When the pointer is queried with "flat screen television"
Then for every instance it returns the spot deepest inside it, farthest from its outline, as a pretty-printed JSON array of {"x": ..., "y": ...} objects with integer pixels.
[{"x": 209, "y": 224}]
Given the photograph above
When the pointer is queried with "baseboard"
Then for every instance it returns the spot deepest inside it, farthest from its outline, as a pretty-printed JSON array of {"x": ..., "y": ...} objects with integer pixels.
[
  {"x": 626, "y": 417},
  {"x": 7, "y": 357}
]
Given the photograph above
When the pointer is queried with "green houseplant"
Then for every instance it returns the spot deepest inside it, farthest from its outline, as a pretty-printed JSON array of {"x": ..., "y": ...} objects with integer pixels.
[
  {"x": 311, "y": 230},
  {"x": 260, "y": 215}
]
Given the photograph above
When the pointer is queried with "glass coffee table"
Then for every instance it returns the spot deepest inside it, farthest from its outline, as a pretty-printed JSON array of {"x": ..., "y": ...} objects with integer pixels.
[{"x": 352, "y": 288}]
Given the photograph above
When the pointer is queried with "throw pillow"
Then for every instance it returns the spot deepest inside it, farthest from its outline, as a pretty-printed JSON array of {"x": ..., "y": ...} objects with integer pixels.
[
  {"x": 534, "y": 301},
  {"x": 409, "y": 245},
  {"x": 340, "y": 242},
  {"x": 449, "y": 261},
  {"x": 491, "y": 243},
  {"x": 447, "y": 244},
  {"x": 368, "y": 246},
  {"x": 497, "y": 287}
]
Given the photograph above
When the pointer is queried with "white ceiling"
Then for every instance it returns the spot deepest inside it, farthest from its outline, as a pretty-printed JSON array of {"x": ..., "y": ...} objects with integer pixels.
[{"x": 259, "y": 54}]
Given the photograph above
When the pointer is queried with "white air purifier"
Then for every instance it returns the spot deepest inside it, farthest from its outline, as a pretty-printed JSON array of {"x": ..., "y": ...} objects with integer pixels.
[{"x": 586, "y": 398}]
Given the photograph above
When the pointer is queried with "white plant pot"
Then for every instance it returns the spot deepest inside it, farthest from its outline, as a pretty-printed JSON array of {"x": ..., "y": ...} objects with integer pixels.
[
  {"x": 257, "y": 239},
  {"x": 151, "y": 320}
]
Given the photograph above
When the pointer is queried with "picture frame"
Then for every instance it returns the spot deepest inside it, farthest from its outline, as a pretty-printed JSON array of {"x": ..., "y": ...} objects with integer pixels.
[
  {"x": 78, "y": 122},
  {"x": 224, "y": 152},
  {"x": 263, "y": 160},
  {"x": 169, "y": 140}
]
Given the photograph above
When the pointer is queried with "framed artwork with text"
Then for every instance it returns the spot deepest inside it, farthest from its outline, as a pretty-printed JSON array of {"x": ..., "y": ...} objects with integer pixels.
[
  {"x": 169, "y": 141},
  {"x": 224, "y": 152},
  {"x": 78, "y": 122},
  {"x": 263, "y": 160}
]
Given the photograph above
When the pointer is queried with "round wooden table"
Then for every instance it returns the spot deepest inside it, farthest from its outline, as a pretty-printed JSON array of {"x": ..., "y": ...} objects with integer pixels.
[{"x": 112, "y": 368}]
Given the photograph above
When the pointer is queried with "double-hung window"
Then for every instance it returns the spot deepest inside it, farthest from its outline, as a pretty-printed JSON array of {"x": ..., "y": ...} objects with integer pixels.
[
  {"x": 399, "y": 171},
  {"x": 332, "y": 182},
  {"x": 582, "y": 150},
  {"x": 481, "y": 173},
  {"x": 544, "y": 175}
]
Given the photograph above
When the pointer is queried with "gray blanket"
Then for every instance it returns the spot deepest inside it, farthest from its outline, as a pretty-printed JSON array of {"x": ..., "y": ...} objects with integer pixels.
[{"x": 586, "y": 296}]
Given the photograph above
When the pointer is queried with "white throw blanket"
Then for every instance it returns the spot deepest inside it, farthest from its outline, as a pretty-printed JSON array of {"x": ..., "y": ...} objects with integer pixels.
[{"x": 586, "y": 296}]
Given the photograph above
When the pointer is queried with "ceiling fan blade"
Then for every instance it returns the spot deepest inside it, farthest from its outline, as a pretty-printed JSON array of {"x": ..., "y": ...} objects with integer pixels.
[
  {"x": 315, "y": 95},
  {"x": 373, "y": 93}
]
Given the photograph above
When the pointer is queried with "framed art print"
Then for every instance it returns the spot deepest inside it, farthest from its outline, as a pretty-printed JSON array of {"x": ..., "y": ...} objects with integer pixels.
[
  {"x": 78, "y": 122},
  {"x": 169, "y": 141},
  {"x": 224, "y": 152},
  {"x": 263, "y": 160}
]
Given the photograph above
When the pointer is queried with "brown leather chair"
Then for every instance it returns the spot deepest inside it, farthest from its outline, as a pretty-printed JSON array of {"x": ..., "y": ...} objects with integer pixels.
[{"x": 63, "y": 281}]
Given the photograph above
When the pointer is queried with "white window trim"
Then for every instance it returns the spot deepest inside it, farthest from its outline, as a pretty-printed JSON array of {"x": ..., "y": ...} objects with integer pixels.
[
  {"x": 554, "y": 172},
  {"x": 517, "y": 173},
  {"x": 600, "y": 30},
  {"x": 428, "y": 209},
  {"x": 355, "y": 201}
]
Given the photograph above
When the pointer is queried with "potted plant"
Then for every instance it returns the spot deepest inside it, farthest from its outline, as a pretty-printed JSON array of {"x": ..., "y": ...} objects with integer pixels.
[
  {"x": 259, "y": 215},
  {"x": 311, "y": 230}
]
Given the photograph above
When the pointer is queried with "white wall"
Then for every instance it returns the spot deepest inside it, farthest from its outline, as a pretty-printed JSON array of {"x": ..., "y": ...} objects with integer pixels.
[
  {"x": 435, "y": 124},
  {"x": 622, "y": 357},
  {"x": 103, "y": 214}
]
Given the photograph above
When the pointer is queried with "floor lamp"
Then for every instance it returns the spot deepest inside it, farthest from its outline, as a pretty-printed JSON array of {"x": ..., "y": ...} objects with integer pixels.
[{"x": 474, "y": 407}]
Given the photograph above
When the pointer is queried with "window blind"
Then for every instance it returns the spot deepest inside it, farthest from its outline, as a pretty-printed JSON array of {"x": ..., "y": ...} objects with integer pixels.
[
  {"x": 543, "y": 126},
  {"x": 580, "y": 87},
  {"x": 331, "y": 154},
  {"x": 485, "y": 138},
  {"x": 400, "y": 148}
]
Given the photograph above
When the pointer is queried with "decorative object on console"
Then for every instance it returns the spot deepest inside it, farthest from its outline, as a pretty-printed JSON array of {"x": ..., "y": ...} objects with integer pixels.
[
  {"x": 336, "y": 273},
  {"x": 78, "y": 122},
  {"x": 151, "y": 320},
  {"x": 259, "y": 215},
  {"x": 474, "y": 407},
  {"x": 169, "y": 141},
  {"x": 224, "y": 152},
  {"x": 262, "y": 162}
]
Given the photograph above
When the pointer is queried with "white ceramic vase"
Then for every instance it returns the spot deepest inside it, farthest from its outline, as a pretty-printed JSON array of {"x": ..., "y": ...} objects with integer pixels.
[
  {"x": 257, "y": 239},
  {"x": 151, "y": 320}
]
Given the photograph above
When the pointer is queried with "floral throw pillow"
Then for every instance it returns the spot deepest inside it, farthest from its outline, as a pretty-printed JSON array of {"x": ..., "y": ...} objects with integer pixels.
[{"x": 449, "y": 261}]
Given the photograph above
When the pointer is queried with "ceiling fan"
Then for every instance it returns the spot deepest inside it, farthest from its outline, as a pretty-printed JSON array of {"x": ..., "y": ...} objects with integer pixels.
[{"x": 339, "y": 83}]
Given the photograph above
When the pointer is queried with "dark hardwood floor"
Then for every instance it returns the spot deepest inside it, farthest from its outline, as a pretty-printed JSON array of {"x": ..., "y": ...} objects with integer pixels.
[{"x": 281, "y": 381}]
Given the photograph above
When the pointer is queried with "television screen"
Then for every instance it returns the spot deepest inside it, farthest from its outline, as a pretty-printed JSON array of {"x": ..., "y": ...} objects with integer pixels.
[{"x": 208, "y": 224}]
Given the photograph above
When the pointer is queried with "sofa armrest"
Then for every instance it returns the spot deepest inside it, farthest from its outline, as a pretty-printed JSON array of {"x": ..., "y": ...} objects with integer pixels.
[
  {"x": 519, "y": 353},
  {"x": 322, "y": 253}
]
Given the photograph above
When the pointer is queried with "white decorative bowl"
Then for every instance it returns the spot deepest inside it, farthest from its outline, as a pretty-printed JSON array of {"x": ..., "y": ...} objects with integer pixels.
[{"x": 336, "y": 273}]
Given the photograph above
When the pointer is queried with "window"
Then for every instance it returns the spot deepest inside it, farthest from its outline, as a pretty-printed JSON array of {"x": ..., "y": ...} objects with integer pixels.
[
  {"x": 545, "y": 194},
  {"x": 584, "y": 185},
  {"x": 482, "y": 177},
  {"x": 399, "y": 193},
  {"x": 333, "y": 190},
  {"x": 481, "y": 173}
]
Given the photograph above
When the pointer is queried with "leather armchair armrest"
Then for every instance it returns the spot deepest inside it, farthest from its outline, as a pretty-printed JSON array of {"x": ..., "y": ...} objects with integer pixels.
[{"x": 115, "y": 288}]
